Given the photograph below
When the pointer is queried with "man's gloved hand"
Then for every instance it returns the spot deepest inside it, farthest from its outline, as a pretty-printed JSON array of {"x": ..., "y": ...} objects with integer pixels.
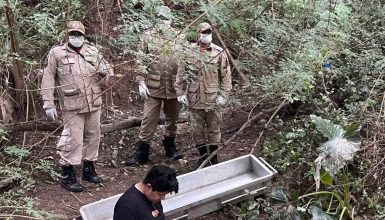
[
  {"x": 51, "y": 113},
  {"x": 221, "y": 100},
  {"x": 143, "y": 90},
  {"x": 183, "y": 99}
]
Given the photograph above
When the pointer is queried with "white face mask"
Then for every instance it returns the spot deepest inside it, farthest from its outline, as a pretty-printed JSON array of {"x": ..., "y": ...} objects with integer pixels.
[
  {"x": 76, "y": 41},
  {"x": 205, "y": 38}
]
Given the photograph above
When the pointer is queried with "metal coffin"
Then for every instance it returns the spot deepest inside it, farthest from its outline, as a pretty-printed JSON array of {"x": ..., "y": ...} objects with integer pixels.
[{"x": 202, "y": 191}]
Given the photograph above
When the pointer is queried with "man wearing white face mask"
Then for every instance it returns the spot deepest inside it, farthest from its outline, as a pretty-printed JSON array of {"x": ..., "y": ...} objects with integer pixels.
[
  {"x": 205, "y": 37},
  {"x": 74, "y": 69},
  {"x": 204, "y": 81},
  {"x": 157, "y": 70}
]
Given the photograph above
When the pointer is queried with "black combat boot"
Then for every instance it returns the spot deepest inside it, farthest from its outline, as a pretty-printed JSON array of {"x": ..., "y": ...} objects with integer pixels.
[
  {"x": 89, "y": 173},
  {"x": 68, "y": 180},
  {"x": 141, "y": 154},
  {"x": 214, "y": 159},
  {"x": 170, "y": 148},
  {"x": 202, "y": 148}
]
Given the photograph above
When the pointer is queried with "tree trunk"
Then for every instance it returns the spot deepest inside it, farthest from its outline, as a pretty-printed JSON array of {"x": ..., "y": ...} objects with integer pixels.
[{"x": 16, "y": 64}]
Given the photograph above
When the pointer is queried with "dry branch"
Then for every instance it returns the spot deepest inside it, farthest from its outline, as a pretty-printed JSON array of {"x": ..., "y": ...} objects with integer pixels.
[
  {"x": 244, "y": 126},
  {"x": 130, "y": 123},
  {"x": 232, "y": 61},
  {"x": 105, "y": 128},
  {"x": 251, "y": 120}
]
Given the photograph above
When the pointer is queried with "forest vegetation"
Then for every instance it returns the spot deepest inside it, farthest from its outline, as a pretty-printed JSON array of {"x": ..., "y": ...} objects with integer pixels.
[{"x": 310, "y": 73}]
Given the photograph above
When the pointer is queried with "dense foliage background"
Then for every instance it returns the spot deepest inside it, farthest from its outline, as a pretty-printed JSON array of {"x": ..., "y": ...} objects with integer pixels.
[{"x": 321, "y": 57}]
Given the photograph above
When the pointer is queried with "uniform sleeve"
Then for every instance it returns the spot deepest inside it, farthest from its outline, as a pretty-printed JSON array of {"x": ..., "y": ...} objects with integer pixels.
[
  {"x": 48, "y": 81},
  {"x": 180, "y": 84},
  {"x": 102, "y": 66},
  {"x": 104, "y": 69},
  {"x": 140, "y": 64},
  {"x": 225, "y": 73}
]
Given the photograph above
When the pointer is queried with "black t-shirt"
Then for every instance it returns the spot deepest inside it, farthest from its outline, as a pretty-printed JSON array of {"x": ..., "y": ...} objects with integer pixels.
[{"x": 133, "y": 205}]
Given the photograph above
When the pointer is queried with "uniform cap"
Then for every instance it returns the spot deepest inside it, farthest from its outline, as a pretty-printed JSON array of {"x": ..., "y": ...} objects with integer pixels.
[
  {"x": 76, "y": 26},
  {"x": 204, "y": 26}
]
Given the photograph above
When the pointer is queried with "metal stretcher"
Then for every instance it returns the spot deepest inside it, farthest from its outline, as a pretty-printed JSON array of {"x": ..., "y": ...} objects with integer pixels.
[{"x": 202, "y": 191}]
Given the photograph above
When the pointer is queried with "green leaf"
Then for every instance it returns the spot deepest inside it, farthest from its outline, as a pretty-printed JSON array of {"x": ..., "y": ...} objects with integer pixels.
[
  {"x": 352, "y": 131},
  {"x": 114, "y": 163},
  {"x": 336, "y": 152},
  {"x": 339, "y": 149},
  {"x": 15, "y": 151},
  {"x": 294, "y": 194},
  {"x": 243, "y": 211},
  {"x": 279, "y": 196},
  {"x": 327, "y": 128},
  {"x": 326, "y": 178},
  {"x": 164, "y": 11}
]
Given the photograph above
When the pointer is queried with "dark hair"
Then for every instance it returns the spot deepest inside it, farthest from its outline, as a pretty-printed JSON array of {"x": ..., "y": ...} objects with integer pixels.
[{"x": 162, "y": 179}]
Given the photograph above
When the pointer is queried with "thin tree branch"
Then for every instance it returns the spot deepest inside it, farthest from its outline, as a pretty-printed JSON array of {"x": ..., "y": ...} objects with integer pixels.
[{"x": 244, "y": 126}]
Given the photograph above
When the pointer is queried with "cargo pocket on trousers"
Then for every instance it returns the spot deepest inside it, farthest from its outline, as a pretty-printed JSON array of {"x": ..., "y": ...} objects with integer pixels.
[
  {"x": 64, "y": 144},
  {"x": 153, "y": 81}
]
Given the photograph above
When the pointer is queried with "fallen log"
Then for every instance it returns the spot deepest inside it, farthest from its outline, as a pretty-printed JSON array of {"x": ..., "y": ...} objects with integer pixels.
[
  {"x": 130, "y": 123},
  {"x": 105, "y": 128},
  {"x": 33, "y": 126}
]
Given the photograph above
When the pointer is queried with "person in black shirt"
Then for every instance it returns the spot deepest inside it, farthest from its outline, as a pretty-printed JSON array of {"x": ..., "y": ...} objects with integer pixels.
[{"x": 142, "y": 201}]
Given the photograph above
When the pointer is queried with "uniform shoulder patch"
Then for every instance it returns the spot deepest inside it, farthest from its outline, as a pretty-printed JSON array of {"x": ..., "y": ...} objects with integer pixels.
[
  {"x": 57, "y": 50},
  {"x": 59, "y": 47},
  {"x": 216, "y": 47},
  {"x": 91, "y": 47},
  {"x": 92, "y": 50}
]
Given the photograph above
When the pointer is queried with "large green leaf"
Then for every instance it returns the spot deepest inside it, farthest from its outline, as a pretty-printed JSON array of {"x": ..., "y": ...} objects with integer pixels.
[
  {"x": 336, "y": 153},
  {"x": 327, "y": 128},
  {"x": 339, "y": 149}
]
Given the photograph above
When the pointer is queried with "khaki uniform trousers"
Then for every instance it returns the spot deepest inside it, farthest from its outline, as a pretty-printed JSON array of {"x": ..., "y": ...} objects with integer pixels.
[
  {"x": 80, "y": 138},
  {"x": 209, "y": 120},
  {"x": 152, "y": 108}
]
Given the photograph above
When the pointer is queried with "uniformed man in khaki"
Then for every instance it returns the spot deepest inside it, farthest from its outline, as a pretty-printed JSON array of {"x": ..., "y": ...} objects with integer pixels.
[
  {"x": 203, "y": 83},
  {"x": 75, "y": 70},
  {"x": 156, "y": 78}
]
